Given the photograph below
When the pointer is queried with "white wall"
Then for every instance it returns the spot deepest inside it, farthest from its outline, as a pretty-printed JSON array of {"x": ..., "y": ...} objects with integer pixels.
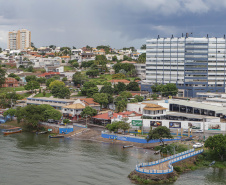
[{"x": 184, "y": 124}]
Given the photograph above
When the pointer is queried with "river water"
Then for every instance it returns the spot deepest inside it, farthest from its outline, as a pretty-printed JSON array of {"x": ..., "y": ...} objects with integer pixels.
[{"x": 27, "y": 158}]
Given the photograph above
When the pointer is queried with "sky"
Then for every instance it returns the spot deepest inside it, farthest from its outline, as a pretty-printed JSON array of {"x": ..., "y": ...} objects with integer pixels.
[{"x": 117, "y": 23}]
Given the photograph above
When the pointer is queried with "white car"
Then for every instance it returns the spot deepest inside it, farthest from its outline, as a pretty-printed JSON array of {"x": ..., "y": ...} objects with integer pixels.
[{"x": 198, "y": 145}]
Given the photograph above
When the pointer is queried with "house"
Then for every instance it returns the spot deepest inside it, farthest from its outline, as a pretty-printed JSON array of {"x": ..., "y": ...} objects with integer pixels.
[
  {"x": 154, "y": 110},
  {"x": 10, "y": 82},
  {"x": 106, "y": 118},
  {"x": 91, "y": 103},
  {"x": 54, "y": 68},
  {"x": 73, "y": 111}
]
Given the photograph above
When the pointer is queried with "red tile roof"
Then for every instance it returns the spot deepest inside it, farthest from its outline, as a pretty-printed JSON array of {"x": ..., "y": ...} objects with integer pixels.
[
  {"x": 105, "y": 116},
  {"x": 123, "y": 81},
  {"x": 115, "y": 115},
  {"x": 50, "y": 73},
  {"x": 89, "y": 101},
  {"x": 134, "y": 94}
]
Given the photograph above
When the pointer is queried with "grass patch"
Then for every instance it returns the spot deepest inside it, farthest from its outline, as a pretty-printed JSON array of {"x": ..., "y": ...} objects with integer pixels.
[
  {"x": 41, "y": 95},
  {"x": 68, "y": 68},
  {"x": 9, "y": 89},
  {"x": 25, "y": 95}
]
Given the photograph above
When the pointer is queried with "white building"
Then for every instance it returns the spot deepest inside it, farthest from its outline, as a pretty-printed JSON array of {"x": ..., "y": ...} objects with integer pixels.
[{"x": 193, "y": 64}]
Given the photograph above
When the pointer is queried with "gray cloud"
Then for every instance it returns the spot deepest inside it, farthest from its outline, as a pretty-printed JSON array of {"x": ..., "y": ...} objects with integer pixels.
[{"x": 117, "y": 23}]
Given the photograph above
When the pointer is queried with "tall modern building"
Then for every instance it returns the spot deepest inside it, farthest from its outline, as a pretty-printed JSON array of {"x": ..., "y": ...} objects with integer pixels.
[
  {"x": 20, "y": 39},
  {"x": 193, "y": 64}
]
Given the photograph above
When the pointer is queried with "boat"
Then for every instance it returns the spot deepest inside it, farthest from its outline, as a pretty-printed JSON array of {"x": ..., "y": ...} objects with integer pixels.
[
  {"x": 56, "y": 136},
  {"x": 43, "y": 132},
  {"x": 127, "y": 146},
  {"x": 12, "y": 130}
]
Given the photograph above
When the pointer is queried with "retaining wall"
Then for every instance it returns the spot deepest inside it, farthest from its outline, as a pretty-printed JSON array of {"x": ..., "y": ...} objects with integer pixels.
[{"x": 132, "y": 138}]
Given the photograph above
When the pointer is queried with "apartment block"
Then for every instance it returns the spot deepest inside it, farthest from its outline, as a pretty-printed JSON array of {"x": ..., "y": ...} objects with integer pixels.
[
  {"x": 193, "y": 64},
  {"x": 19, "y": 40}
]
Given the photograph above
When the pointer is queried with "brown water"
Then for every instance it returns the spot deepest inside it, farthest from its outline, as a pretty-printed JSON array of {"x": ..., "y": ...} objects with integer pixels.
[{"x": 37, "y": 160}]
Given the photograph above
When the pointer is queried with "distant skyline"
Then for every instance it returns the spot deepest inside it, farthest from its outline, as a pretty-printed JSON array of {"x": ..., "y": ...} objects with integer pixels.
[{"x": 118, "y": 23}]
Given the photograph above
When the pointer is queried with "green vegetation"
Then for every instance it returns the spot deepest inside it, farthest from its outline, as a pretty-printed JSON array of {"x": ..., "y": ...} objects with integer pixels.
[
  {"x": 10, "y": 89},
  {"x": 42, "y": 95},
  {"x": 160, "y": 133},
  {"x": 68, "y": 68},
  {"x": 114, "y": 126},
  {"x": 165, "y": 90},
  {"x": 31, "y": 115},
  {"x": 88, "y": 112}
]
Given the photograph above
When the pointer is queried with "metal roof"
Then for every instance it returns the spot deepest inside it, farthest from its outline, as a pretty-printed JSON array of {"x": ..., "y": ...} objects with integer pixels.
[
  {"x": 195, "y": 116},
  {"x": 200, "y": 105}
]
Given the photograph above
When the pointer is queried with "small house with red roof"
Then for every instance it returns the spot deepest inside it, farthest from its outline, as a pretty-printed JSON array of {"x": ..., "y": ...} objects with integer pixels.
[{"x": 10, "y": 82}]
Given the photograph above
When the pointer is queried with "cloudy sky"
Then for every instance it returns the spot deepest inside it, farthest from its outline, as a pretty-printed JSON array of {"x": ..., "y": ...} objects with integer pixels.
[{"x": 118, "y": 23}]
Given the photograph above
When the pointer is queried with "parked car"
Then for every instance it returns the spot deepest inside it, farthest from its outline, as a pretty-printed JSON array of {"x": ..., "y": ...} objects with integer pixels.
[
  {"x": 198, "y": 145},
  {"x": 199, "y": 131},
  {"x": 51, "y": 121}
]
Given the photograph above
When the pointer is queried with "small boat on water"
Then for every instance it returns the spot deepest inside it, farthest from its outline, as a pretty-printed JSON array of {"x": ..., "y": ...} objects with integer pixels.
[
  {"x": 127, "y": 146},
  {"x": 56, "y": 136},
  {"x": 12, "y": 130},
  {"x": 43, "y": 132}
]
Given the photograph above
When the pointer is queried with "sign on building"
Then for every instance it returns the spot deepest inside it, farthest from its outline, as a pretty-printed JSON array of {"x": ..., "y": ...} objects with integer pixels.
[{"x": 136, "y": 122}]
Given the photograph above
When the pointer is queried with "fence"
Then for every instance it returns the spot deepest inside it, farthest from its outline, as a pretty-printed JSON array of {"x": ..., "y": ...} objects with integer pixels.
[{"x": 172, "y": 159}]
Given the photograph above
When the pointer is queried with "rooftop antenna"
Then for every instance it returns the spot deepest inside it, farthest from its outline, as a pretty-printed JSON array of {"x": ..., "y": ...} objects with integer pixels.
[
  {"x": 207, "y": 36},
  {"x": 224, "y": 36},
  {"x": 182, "y": 35},
  {"x": 158, "y": 37},
  {"x": 172, "y": 36}
]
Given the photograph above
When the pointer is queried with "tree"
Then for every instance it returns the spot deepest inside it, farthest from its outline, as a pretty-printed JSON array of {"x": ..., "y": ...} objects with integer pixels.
[
  {"x": 33, "y": 114},
  {"x": 154, "y": 96},
  {"x": 113, "y": 127},
  {"x": 101, "y": 57},
  {"x": 165, "y": 90},
  {"x": 142, "y": 58},
  {"x": 92, "y": 73},
  {"x": 87, "y": 64},
  {"x": 64, "y": 79},
  {"x": 126, "y": 94},
  {"x": 161, "y": 133},
  {"x": 143, "y": 46},
  {"x": 75, "y": 64},
  {"x": 60, "y": 91},
  {"x": 121, "y": 103},
  {"x": 11, "y": 112},
  {"x": 133, "y": 86},
  {"x": 139, "y": 98},
  {"x": 101, "y": 98},
  {"x": 217, "y": 145},
  {"x": 41, "y": 80},
  {"x": 118, "y": 76},
  {"x": 56, "y": 83},
  {"x": 78, "y": 78},
  {"x": 114, "y": 58},
  {"x": 66, "y": 121},
  {"x": 132, "y": 73},
  {"x": 30, "y": 78},
  {"x": 88, "y": 111},
  {"x": 89, "y": 89},
  {"x": 31, "y": 85},
  {"x": 124, "y": 125},
  {"x": 122, "y": 71},
  {"x": 49, "y": 81},
  {"x": 2, "y": 76},
  {"x": 107, "y": 89},
  {"x": 12, "y": 75},
  {"x": 127, "y": 67},
  {"x": 133, "y": 100},
  {"x": 120, "y": 87}
]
